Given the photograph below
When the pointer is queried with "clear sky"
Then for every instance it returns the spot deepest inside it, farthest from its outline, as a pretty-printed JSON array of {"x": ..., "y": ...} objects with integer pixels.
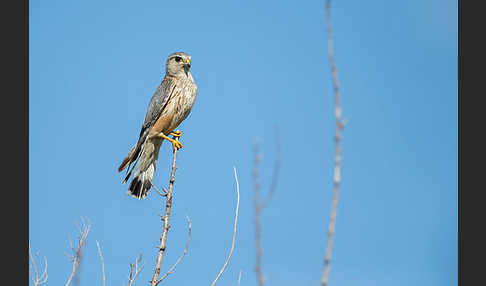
[{"x": 94, "y": 66}]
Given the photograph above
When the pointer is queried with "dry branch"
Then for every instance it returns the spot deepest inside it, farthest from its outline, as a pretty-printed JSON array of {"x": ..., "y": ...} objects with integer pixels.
[
  {"x": 338, "y": 150},
  {"x": 276, "y": 171},
  {"x": 239, "y": 279},
  {"x": 157, "y": 190},
  {"x": 171, "y": 270},
  {"x": 165, "y": 219},
  {"x": 34, "y": 274},
  {"x": 78, "y": 251},
  {"x": 102, "y": 263},
  {"x": 134, "y": 270},
  {"x": 259, "y": 206},
  {"x": 258, "y": 211},
  {"x": 234, "y": 229}
]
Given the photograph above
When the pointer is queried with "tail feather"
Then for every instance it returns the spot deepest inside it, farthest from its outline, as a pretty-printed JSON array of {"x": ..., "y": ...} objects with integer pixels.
[
  {"x": 142, "y": 183},
  {"x": 129, "y": 173},
  {"x": 128, "y": 159},
  {"x": 135, "y": 151},
  {"x": 144, "y": 174}
]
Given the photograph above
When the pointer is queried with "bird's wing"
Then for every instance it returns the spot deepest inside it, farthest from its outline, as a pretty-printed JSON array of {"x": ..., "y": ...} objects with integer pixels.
[{"x": 157, "y": 104}]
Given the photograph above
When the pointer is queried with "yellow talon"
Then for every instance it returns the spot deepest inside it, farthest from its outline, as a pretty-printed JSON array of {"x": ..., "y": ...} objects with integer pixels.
[
  {"x": 175, "y": 143},
  {"x": 176, "y": 133}
]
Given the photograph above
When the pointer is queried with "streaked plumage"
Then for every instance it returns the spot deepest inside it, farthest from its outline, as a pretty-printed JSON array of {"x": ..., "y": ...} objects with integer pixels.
[{"x": 170, "y": 105}]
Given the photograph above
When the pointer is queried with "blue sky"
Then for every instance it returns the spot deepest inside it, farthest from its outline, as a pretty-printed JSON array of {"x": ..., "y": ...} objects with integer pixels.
[{"x": 94, "y": 66}]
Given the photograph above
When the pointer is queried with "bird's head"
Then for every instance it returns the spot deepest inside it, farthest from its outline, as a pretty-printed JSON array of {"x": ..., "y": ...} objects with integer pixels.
[{"x": 178, "y": 64}]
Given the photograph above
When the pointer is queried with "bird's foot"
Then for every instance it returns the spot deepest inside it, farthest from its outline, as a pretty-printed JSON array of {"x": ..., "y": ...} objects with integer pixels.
[
  {"x": 176, "y": 133},
  {"x": 175, "y": 143}
]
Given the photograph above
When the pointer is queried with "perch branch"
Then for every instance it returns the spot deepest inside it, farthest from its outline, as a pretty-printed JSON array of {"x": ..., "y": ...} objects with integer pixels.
[
  {"x": 171, "y": 270},
  {"x": 165, "y": 218},
  {"x": 78, "y": 252},
  {"x": 337, "y": 158},
  {"x": 234, "y": 229}
]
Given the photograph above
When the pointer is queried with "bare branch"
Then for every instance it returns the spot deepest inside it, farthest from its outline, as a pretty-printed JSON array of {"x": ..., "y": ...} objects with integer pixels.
[
  {"x": 70, "y": 246},
  {"x": 239, "y": 278},
  {"x": 36, "y": 279},
  {"x": 171, "y": 270},
  {"x": 165, "y": 218},
  {"x": 161, "y": 194},
  {"x": 259, "y": 206},
  {"x": 337, "y": 159},
  {"x": 258, "y": 211},
  {"x": 234, "y": 229},
  {"x": 102, "y": 263},
  {"x": 77, "y": 253},
  {"x": 276, "y": 171},
  {"x": 135, "y": 269}
]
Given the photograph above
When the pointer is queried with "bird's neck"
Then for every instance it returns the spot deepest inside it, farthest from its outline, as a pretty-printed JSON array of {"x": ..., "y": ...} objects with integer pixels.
[{"x": 181, "y": 76}]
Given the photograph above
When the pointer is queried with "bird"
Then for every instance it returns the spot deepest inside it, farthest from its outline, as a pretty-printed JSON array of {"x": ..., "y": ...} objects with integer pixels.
[{"x": 169, "y": 106}]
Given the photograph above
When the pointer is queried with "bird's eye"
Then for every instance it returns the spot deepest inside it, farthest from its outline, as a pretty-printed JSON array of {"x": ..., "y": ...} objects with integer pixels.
[{"x": 178, "y": 59}]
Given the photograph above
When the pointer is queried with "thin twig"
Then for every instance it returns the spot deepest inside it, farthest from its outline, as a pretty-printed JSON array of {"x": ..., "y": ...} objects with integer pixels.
[
  {"x": 135, "y": 270},
  {"x": 77, "y": 255},
  {"x": 259, "y": 206},
  {"x": 234, "y": 229},
  {"x": 258, "y": 211},
  {"x": 165, "y": 218},
  {"x": 239, "y": 278},
  {"x": 157, "y": 190},
  {"x": 70, "y": 245},
  {"x": 33, "y": 266},
  {"x": 171, "y": 270},
  {"x": 337, "y": 159},
  {"x": 102, "y": 263},
  {"x": 36, "y": 279},
  {"x": 276, "y": 171}
]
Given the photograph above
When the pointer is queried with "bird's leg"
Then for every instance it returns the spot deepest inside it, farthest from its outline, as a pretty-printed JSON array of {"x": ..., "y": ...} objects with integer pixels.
[
  {"x": 176, "y": 133},
  {"x": 175, "y": 142}
]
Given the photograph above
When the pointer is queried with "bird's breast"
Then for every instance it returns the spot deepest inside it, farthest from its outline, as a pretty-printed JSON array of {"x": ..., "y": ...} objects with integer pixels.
[{"x": 178, "y": 107}]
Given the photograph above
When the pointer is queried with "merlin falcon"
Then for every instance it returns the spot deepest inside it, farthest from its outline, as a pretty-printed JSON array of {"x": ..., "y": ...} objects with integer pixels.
[{"x": 170, "y": 105}]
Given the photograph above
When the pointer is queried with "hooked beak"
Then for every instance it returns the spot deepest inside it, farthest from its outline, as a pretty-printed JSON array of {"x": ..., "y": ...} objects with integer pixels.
[
  {"x": 187, "y": 65},
  {"x": 187, "y": 62}
]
